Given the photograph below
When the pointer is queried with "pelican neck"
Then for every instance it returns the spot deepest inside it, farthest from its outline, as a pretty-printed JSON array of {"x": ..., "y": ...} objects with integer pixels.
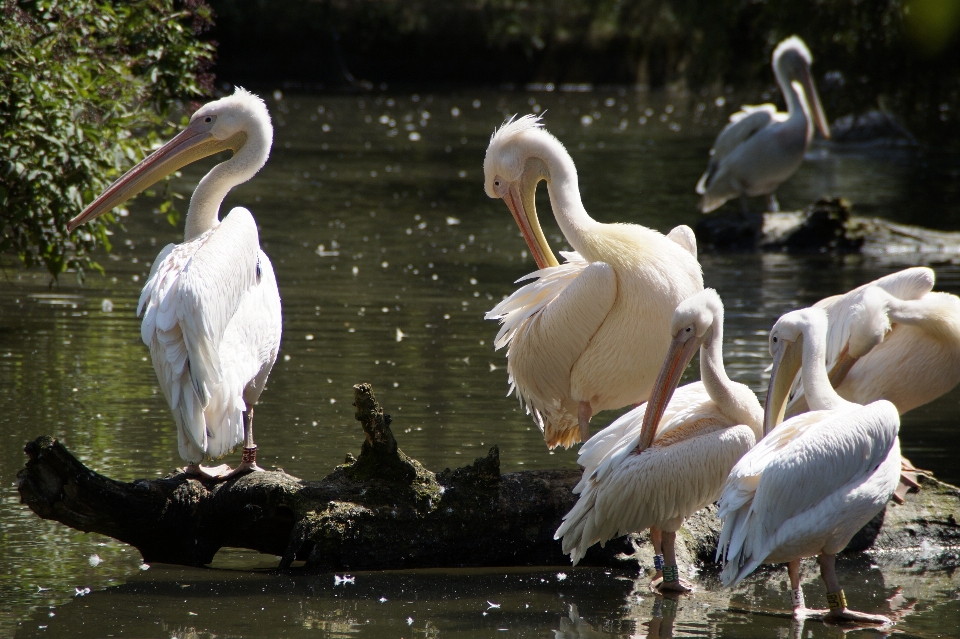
[
  {"x": 712, "y": 372},
  {"x": 564, "y": 190},
  {"x": 796, "y": 103},
  {"x": 813, "y": 372},
  {"x": 204, "y": 211}
]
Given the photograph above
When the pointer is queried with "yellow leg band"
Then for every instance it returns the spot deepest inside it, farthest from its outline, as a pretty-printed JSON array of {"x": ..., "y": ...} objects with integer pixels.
[{"x": 836, "y": 600}]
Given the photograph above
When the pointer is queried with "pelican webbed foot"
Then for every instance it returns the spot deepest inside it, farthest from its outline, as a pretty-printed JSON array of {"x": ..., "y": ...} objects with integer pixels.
[
  {"x": 215, "y": 473},
  {"x": 681, "y": 586},
  {"x": 845, "y": 615}
]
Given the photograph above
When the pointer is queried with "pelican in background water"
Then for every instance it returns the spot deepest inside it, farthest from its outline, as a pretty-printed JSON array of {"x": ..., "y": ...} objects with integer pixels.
[
  {"x": 668, "y": 458},
  {"x": 588, "y": 335},
  {"x": 762, "y": 147},
  {"x": 211, "y": 307},
  {"x": 813, "y": 481}
]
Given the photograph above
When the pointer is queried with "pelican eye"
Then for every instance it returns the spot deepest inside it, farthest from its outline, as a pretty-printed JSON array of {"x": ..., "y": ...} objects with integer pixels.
[
  {"x": 208, "y": 119},
  {"x": 774, "y": 339},
  {"x": 689, "y": 329},
  {"x": 496, "y": 182}
]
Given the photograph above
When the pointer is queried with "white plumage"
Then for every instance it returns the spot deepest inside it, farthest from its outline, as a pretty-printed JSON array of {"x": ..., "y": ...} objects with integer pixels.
[
  {"x": 900, "y": 343},
  {"x": 816, "y": 479},
  {"x": 587, "y": 335},
  {"x": 211, "y": 308},
  {"x": 645, "y": 470},
  {"x": 761, "y": 147}
]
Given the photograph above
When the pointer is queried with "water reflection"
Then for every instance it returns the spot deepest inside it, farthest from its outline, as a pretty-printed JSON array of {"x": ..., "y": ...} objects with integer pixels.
[{"x": 413, "y": 254}]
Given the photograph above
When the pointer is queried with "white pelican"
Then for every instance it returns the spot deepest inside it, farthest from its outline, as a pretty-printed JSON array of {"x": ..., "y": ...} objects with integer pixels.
[
  {"x": 588, "y": 335},
  {"x": 905, "y": 349},
  {"x": 667, "y": 459},
  {"x": 813, "y": 481},
  {"x": 211, "y": 308},
  {"x": 762, "y": 147}
]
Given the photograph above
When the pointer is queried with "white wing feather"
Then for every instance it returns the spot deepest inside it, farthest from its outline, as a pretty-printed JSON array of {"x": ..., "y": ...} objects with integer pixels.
[
  {"x": 799, "y": 465},
  {"x": 743, "y": 124},
  {"x": 193, "y": 292},
  {"x": 844, "y": 310}
]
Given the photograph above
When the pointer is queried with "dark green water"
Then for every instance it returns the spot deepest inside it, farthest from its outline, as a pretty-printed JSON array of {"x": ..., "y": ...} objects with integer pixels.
[{"x": 421, "y": 254}]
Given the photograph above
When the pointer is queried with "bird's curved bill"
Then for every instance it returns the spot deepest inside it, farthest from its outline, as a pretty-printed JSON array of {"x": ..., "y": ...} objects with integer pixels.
[
  {"x": 844, "y": 363},
  {"x": 785, "y": 368},
  {"x": 678, "y": 356},
  {"x": 813, "y": 100},
  {"x": 524, "y": 212},
  {"x": 191, "y": 144}
]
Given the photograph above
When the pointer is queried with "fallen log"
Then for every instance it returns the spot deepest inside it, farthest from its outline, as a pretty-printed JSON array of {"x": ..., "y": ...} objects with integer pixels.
[{"x": 384, "y": 510}]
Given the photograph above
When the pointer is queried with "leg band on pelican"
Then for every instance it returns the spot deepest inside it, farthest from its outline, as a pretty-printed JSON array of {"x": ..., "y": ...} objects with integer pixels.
[
  {"x": 796, "y": 597},
  {"x": 836, "y": 600},
  {"x": 671, "y": 573},
  {"x": 669, "y": 607},
  {"x": 657, "y": 605},
  {"x": 249, "y": 455},
  {"x": 658, "y": 562}
]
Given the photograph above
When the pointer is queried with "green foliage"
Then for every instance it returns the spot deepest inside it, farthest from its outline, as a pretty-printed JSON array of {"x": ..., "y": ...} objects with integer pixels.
[{"x": 86, "y": 87}]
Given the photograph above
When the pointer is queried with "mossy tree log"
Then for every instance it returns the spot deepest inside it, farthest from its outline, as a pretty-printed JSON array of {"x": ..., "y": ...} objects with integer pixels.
[{"x": 385, "y": 510}]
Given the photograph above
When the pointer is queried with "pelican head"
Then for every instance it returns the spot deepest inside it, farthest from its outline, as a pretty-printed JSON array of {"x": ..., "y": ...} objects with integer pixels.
[
  {"x": 869, "y": 325},
  {"x": 237, "y": 122},
  {"x": 696, "y": 321},
  {"x": 791, "y": 64},
  {"x": 786, "y": 347},
  {"x": 512, "y": 169}
]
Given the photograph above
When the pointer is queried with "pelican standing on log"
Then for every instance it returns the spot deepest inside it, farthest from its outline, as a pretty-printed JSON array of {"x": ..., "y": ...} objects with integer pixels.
[
  {"x": 667, "y": 459},
  {"x": 761, "y": 147},
  {"x": 211, "y": 307},
  {"x": 588, "y": 335},
  {"x": 813, "y": 481}
]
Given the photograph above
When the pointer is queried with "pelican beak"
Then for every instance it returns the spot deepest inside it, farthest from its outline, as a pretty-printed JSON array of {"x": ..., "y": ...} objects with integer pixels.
[
  {"x": 191, "y": 144},
  {"x": 522, "y": 205},
  {"x": 785, "y": 367},
  {"x": 679, "y": 354},
  {"x": 813, "y": 100},
  {"x": 843, "y": 365}
]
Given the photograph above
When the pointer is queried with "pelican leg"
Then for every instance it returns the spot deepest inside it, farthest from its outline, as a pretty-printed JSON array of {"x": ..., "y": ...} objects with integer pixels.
[
  {"x": 800, "y": 610},
  {"x": 837, "y": 601},
  {"x": 909, "y": 477},
  {"x": 656, "y": 540},
  {"x": 671, "y": 581},
  {"x": 773, "y": 206},
  {"x": 584, "y": 413},
  {"x": 248, "y": 461}
]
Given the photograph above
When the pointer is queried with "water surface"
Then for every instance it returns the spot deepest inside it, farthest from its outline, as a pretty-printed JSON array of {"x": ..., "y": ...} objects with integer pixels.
[{"x": 388, "y": 253}]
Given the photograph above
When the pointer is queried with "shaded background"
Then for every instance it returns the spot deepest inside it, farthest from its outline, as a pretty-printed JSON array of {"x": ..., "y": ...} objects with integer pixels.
[{"x": 898, "y": 55}]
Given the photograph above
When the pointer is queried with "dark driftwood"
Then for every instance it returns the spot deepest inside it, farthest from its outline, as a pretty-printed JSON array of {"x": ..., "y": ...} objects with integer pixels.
[
  {"x": 385, "y": 510},
  {"x": 380, "y": 510}
]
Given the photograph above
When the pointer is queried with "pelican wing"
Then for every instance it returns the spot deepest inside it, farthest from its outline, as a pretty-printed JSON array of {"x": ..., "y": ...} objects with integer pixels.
[
  {"x": 689, "y": 403},
  {"x": 685, "y": 237},
  {"x": 192, "y": 294},
  {"x": 797, "y": 466},
  {"x": 663, "y": 484},
  {"x": 556, "y": 316},
  {"x": 843, "y": 311},
  {"x": 743, "y": 125},
  {"x": 530, "y": 299}
]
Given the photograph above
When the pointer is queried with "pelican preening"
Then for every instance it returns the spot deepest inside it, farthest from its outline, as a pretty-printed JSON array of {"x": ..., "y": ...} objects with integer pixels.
[
  {"x": 893, "y": 338},
  {"x": 211, "y": 307},
  {"x": 762, "y": 147},
  {"x": 813, "y": 481},
  {"x": 668, "y": 458},
  {"x": 588, "y": 335}
]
